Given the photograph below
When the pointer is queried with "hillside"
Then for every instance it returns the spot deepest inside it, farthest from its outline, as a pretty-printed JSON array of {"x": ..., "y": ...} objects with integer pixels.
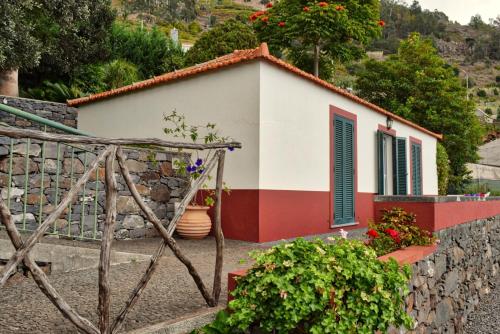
[{"x": 474, "y": 49}]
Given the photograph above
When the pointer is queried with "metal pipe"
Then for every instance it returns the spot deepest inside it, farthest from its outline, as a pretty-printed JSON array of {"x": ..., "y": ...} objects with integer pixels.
[{"x": 41, "y": 120}]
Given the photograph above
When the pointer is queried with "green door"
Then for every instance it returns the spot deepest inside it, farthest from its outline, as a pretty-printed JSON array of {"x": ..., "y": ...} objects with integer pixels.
[{"x": 343, "y": 165}]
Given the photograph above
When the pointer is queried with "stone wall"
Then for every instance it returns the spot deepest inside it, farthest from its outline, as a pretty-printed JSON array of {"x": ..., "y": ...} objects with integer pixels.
[
  {"x": 151, "y": 170},
  {"x": 58, "y": 112},
  {"x": 448, "y": 285}
]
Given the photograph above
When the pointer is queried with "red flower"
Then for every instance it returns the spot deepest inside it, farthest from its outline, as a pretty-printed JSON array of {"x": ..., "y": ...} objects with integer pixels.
[
  {"x": 381, "y": 23},
  {"x": 281, "y": 24},
  {"x": 392, "y": 233},
  {"x": 269, "y": 5},
  {"x": 264, "y": 19},
  {"x": 339, "y": 8},
  {"x": 255, "y": 15},
  {"x": 323, "y": 4},
  {"x": 306, "y": 9},
  {"x": 372, "y": 233}
]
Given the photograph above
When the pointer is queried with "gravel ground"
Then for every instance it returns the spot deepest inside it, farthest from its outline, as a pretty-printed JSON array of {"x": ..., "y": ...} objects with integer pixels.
[
  {"x": 486, "y": 319},
  {"x": 171, "y": 292}
]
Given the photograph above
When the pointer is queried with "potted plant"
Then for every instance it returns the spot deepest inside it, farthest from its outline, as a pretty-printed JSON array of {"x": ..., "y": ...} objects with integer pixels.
[{"x": 195, "y": 223}]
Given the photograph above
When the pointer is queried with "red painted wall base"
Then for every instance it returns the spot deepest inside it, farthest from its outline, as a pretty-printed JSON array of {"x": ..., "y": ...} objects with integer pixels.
[{"x": 269, "y": 215}]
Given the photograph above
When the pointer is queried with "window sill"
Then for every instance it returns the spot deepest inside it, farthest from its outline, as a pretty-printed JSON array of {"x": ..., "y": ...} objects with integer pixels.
[{"x": 343, "y": 225}]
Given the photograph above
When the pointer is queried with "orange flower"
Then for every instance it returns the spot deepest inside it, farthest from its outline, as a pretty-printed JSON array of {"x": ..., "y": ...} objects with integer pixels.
[
  {"x": 339, "y": 8},
  {"x": 381, "y": 23},
  {"x": 281, "y": 24},
  {"x": 269, "y": 5},
  {"x": 323, "y": 4},
  {"x": 264, "y": 19},
  {"x": 306, "y": 9}
]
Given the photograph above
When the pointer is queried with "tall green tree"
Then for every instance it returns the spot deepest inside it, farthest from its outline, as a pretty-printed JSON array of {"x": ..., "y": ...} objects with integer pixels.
[
  {"x": 337, "y": 30},
  {"x": 224, "y": 38},
  {"x": 418, "y": 84},
  {"x": 48, "y": 38},
  {"x": 151, "y": 51}
]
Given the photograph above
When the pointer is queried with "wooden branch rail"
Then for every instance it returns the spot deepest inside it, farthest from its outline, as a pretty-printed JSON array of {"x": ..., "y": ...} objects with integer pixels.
[
  {"x": 71, "y": 139},
  {"x": 41, "y": 279},
  {"x": 18, "y": 256},
  {"x": 110, "y": 154}
]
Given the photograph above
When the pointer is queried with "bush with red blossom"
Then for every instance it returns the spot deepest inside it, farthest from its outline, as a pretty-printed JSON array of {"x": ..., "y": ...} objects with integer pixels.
[{"x": 397, "y": 230}]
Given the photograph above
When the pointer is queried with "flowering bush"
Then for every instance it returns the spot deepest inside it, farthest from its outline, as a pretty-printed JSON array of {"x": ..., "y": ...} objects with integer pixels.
[
  {"x": 318, "y": 287},
  {"x": 194, "y": 165},
  {"x": 397, "y": 230}
]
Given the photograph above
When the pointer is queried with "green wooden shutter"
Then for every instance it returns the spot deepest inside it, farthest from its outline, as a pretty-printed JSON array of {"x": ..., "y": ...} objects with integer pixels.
[
  {"x": 349, "y": 172},
  {"x": 416, "y": 155},
  {"x": 343, "y": 171},
  {"x": 338, "y": 170},
  {"x": 400, "y": 170},
  {"x": 380, "y": 153}
]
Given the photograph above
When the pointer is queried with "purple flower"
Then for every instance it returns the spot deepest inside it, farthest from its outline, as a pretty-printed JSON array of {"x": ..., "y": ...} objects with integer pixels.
[
  {"x": 231, "y": 149},
  {"x": 191, "y": 169},
  {"x": 198, "y": 162},
  {"x": 201, "y": 170}
]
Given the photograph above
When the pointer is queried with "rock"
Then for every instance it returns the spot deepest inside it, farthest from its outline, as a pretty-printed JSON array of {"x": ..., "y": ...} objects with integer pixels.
[
  {"x": 440, "y": 265},
  {"x": 4, "y": 150},
  {"x": 51, "y": 150},
  {"x": 34, "y": 149},
  {"x": 61, "y": 223},
  {"x": 166, "y": 169},
  {"x": 133, "y": 222},
  {"x": 121, "y": 234},
  {"x": 4, "y": 180},
  {"x": 444, "y": 312},
  {"x": 149, "y": 176},
  {"x": 18, "y": 166},
  {"x": 458, "y": 254},
  {"x": 137, "y": 233},
  {"x": 126, "y": 204},
  {"x": 34, "y": 199},
  {"x": 36, "y": 181},
  {"x": 100, "y": 174},
  {"x": 51, "y": 166},
  {"x": 451, "y": 282},
  {"x": 135, "y": 166},
  {"x": 78, "y": 167},
  {"x": 18, "y": 219},
  {"x": 160, "y": 193},
  {"x": 14, "y": 192},
  {"x": 143, "y": 190}
]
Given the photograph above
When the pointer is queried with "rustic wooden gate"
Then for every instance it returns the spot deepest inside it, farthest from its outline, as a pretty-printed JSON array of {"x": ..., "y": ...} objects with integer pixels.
[{"x": 111, "y": 152}]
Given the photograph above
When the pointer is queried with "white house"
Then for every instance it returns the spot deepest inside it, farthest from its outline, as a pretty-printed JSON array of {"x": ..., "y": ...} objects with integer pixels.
[{"x": 313, "y": 158}]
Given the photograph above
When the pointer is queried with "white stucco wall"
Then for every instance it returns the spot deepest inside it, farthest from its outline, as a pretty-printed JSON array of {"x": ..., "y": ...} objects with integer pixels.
[
  {"x": 228, "y": 97},
  {"x": 295, "y": 136}
]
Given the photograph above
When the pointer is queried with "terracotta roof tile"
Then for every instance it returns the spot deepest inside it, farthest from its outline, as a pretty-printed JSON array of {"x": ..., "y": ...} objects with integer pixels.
[{"x": 239, "y": 56}]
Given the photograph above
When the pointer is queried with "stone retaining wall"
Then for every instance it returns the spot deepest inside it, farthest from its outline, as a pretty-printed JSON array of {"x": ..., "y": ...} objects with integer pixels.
[
  {"x": 448, "y": 285},
  {"x": 57, "y": 112},
  {"x": 152, "y": 172}
]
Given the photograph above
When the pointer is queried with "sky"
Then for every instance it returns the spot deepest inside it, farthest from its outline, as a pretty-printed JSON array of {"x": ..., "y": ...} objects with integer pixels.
[{"x": 462, "y": 10}]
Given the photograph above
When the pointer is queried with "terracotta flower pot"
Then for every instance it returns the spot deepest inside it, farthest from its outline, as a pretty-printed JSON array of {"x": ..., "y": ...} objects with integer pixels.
[{"x": 195, "y": 223}]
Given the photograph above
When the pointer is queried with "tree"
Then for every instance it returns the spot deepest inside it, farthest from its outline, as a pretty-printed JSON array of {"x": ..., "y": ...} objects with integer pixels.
[
  {"x": 418, "y": 85},
  {"x": 150, "y": 50},
  {"x": 51, "y": 37},
  {"x": 337, "y": 30},
  {"x": 224, "y": 38}
]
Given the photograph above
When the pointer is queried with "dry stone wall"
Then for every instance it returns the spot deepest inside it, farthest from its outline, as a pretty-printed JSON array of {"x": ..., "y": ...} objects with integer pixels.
[
  {"x": 448, "y": 285},
  {"x": 37, "y": 196}
]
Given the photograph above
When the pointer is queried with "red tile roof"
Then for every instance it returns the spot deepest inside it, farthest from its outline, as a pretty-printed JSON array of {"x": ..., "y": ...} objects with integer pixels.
[{"x": 236, "y": 57}]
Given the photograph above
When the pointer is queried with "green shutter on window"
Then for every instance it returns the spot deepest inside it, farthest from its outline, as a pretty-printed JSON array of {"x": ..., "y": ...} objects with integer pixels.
[
  {"x": 400, "y": 175},
  {"x": 343, "y": 171},
  {"x": 339, "y": 170},
  {"x": 380, "y": 157},
  {"x": 416, "y": 156}
]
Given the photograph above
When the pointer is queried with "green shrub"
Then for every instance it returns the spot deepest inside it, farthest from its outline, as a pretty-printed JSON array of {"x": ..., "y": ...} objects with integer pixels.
[
  {"x": 319, "y": 287},
  {"x": 497, "y": 78},
  {"x": 443, "y": 169},
  {"x": 397, "y": 230},
  {"x": 119, "y": 73},
  {"x": 488, "y": 111},
  {"x": 481, "y": 93},
  {"x": 495, "y": 91}
]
